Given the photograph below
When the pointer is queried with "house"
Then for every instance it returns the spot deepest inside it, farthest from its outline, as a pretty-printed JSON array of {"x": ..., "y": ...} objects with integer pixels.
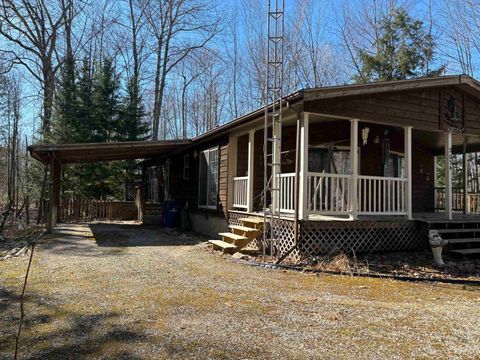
[{"x": 362, "y": 158}]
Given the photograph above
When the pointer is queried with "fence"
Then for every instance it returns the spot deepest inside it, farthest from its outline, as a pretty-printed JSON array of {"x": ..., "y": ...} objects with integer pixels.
[
  {"x": 87, "y": 210},
  {"x": 473, "y": 200}
]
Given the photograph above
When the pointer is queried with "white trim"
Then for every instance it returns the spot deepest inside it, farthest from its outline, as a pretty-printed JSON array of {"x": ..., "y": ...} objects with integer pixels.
[
  {"x": 354, "y": 167},
  {"x": 408, "y": 170},
  {"x": 448, "y": 175},
  {"x": 250, "y": 169},
  {"x": 303, "y": 185},
  {"x": 208, "y": 151}
]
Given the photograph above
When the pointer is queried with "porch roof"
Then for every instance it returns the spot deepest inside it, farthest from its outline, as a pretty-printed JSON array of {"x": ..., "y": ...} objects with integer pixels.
[{"x": 92, "y": 152}]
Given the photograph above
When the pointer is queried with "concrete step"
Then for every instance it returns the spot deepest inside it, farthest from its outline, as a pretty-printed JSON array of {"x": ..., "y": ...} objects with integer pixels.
[
  {"x": 453, "y": 231},
  {"x": 153, "y": 219},
  {"x": 465, "y": 252},
  {"x": 225, "y": 247},
  {"x": 463, "y": 240}
]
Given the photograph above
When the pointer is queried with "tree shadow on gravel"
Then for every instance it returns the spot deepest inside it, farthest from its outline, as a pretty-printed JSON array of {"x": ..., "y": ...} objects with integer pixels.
[
  {"x": 78, "y": 341},
  {"x": 131, "y": 235}
]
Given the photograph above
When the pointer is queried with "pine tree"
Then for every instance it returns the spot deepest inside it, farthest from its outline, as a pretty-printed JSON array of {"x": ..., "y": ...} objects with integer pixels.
[
  {"x": 105, "y": 103},
  {"x": 403, "y": 51},
  {"x": 84, "y": 128},
  {"x": 132, "y": 125},
  {"x": 65, "y": 119}
]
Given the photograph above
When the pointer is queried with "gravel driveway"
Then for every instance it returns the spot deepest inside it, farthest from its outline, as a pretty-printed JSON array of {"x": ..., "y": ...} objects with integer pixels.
[{"x": 126, "y": 291}]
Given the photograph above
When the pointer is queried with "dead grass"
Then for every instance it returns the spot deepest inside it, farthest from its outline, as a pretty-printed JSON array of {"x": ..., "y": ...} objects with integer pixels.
[{"x": 94, "y": 299}]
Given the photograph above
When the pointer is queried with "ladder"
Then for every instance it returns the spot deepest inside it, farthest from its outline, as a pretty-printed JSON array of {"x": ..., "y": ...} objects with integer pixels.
[{"x": 273, "y": 120}]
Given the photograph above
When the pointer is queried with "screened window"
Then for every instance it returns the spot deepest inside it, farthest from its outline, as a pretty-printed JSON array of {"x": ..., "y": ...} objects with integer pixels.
[{"x": 208, "y": 178}]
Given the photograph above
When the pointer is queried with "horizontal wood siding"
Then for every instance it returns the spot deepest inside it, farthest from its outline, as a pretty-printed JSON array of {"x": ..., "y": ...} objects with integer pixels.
[
  {"x": 223, "y": 179},
  {"x": 187, "y": 190},
  {"x": 420, "y": 109}
]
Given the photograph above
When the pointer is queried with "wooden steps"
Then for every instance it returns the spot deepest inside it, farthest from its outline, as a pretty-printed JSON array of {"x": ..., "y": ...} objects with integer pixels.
[
  {"x": 463, "y": 236},
  {"x": 240, "y": 235},
  {"x": 225, "y": 247}
]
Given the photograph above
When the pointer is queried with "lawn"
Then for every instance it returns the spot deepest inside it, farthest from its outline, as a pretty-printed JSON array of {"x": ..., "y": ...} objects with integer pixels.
[{"x": 137, "y": 292}]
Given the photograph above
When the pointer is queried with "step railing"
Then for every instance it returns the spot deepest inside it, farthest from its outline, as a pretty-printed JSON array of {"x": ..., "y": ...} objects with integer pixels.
[
  {"x": 240, "y": 192},
  {"x": 379, "y": 195},
  {"x": 328, "y": 194}
]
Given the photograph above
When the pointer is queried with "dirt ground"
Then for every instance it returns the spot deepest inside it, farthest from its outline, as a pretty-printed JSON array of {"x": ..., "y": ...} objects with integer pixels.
[{"x": 125, "y": 291}]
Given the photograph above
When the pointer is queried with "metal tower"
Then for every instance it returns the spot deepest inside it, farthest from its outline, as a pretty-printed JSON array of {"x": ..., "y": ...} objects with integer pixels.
[{"x": 273, "y": 120}]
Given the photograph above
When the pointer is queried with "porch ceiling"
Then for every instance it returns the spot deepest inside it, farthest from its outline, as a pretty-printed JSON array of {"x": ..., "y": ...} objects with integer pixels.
[
  {"x": 93, "y": 152},
  {"x": 436, "y": 141}
]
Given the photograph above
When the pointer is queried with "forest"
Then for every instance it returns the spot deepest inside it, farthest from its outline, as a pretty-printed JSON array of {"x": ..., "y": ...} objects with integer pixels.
[{"x": 75, "y": 71}]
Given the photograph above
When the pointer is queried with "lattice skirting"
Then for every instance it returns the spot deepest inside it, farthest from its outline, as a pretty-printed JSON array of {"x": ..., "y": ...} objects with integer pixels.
[{"x": 327, "y": 238}]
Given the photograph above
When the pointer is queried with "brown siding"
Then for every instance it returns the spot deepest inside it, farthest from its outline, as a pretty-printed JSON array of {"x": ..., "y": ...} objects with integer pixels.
[
  {"x": 187, "y": 190},
  {"x": 420, "y": 109}
]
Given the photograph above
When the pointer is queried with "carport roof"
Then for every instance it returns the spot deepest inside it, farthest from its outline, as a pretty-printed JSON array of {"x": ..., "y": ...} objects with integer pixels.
[{"x": 92, "y": 152}]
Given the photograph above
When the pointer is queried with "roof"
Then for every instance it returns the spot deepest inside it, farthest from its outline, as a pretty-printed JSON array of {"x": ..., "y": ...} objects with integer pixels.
[
  {"x": 463, "y": 82},
  {"x": 91, "y": 152},
  {"x": 149, "y": 149}
]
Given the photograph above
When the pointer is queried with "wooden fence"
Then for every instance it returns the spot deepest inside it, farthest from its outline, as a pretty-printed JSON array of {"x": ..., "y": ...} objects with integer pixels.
[
  {"x": 87, "y": 210},
  {"x": 473, "y": 200}
]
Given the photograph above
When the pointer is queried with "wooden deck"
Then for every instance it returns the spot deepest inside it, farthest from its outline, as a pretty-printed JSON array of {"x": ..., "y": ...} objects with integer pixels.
[{"x": 425, "y": 217}]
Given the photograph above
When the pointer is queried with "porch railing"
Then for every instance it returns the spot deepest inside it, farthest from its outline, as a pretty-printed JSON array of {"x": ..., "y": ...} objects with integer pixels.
[
  {"x": 287, "y": 192},
  {"x": 328, "y": 194},
  {"x": 473, "y": 200},
  {"x": 240, "y": 192},
  {"x": 381, "y": 195}
]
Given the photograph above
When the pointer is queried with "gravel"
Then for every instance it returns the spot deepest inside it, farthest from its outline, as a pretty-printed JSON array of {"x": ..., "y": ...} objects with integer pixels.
[{"x": 127, "y": 291}]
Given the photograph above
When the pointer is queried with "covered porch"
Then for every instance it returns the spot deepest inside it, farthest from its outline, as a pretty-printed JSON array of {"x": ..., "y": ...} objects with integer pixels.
[{"x": 351, "y": 169}]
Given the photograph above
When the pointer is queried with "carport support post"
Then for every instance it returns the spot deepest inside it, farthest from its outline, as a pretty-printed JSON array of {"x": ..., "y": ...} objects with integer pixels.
[
  {"x": 55, "y": 171},
  {"x": 448, "y": 175}
]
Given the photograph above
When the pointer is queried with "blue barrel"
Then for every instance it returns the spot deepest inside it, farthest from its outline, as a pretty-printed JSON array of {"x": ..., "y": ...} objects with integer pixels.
[{"x": 171, "y": 213}]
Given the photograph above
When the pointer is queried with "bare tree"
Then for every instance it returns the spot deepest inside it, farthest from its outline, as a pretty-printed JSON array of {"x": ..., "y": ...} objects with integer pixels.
[
  {"x": 32, "y": 28},
  {"x": 170, "y": 22}
]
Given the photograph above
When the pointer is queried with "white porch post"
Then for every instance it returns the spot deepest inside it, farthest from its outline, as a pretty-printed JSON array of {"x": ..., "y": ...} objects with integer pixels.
[
  {"x": 465, "y": 177},
  {"x": 232, "y": 169},
  {"x": 354, "y": 167},
  {"x": 303, "y": 188},
  {"x": 448, "y": 175},
  {"x": 251, "y": 158},
  {"x": 408, "y": 169}
]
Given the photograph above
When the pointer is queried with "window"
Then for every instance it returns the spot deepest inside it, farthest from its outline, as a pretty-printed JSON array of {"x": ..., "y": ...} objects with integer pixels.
[
  {"x": 166, "y": 179},
  {"x": 330, "y": 160},
  {"x": 208, "y": 178},
  {"x": 186, "y": 167},
  {"x": 395, "y": 166}
]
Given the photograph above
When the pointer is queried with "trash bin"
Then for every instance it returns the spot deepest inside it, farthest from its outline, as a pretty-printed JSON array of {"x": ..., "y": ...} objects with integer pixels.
[{"x": 171, "y": 213}]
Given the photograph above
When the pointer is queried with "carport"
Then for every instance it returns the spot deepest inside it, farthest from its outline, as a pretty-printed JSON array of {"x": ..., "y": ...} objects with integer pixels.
[{"x": 55, "y": 156}]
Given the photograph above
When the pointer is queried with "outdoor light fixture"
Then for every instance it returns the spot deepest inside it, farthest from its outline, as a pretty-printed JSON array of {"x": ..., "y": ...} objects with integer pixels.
[{"x": 376, "y": 140}]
